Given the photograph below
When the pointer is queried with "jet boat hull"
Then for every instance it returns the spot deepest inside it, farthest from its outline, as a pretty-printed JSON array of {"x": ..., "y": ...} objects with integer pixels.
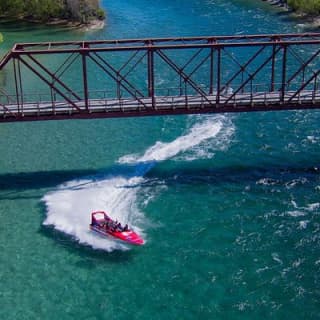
[{"x": 102, "y": 224}]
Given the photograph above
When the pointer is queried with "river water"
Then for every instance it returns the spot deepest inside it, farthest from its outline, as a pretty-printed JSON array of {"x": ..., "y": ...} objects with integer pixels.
[{"x": 228, "y": 204}]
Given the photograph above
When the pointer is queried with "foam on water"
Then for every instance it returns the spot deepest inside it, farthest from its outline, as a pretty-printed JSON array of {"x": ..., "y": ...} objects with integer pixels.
[
  {"x": 69, "y": 207},
  {"x": 197, "y": 136}
]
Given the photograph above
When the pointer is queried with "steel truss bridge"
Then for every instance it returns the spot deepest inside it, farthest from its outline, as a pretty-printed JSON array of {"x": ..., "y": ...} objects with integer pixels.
[{"x": 163, "y": 76}]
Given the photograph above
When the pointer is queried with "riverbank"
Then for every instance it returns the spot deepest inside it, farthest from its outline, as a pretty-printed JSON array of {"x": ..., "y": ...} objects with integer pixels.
[
  {"x": 94, "y": 24},
  {"x": 306, "y": 20},
  {"x": 75, "y": 13}
]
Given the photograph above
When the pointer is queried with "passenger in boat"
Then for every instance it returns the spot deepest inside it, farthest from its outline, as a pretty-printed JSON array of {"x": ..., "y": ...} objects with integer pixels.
[
  {"x": 118, "y": 226},
  {"x": 110, "y": 225},
  {"x": 126, "y": 228},
  {"x": 115, "y": 226}
]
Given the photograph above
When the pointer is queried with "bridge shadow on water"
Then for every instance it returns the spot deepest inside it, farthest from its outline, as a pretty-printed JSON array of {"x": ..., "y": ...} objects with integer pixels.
[
  {"x": 17, "y": 186},
  {"x": 26, "y": 181},
  {"x": 26, "y": 185},
  {"x": 238, "y": 174}
]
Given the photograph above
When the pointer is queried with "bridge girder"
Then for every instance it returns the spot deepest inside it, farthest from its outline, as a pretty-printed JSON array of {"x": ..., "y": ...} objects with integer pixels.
[{"x": 68, "y": 80}]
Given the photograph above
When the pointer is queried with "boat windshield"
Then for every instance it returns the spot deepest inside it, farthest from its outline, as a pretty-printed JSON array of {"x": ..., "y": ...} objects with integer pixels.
[{"x": 99, "y": 216}]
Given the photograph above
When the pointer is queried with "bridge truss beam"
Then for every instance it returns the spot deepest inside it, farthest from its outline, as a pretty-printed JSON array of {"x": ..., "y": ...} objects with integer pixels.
[{"x": 140, "y": 77}]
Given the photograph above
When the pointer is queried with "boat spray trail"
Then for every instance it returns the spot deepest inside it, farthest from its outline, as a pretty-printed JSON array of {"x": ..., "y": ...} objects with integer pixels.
[{"x": 69, "y": 207}]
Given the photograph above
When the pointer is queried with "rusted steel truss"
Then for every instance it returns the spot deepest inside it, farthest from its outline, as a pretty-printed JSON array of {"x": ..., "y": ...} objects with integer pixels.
[{"x": 139, "y": 77}]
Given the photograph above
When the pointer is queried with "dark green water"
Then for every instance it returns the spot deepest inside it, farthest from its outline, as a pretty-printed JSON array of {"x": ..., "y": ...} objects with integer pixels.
[{"x": 229, "y": 204}]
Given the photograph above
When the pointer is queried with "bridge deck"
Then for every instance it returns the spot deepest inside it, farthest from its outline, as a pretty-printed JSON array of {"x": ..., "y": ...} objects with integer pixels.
[{"x": 160, "y": 105}]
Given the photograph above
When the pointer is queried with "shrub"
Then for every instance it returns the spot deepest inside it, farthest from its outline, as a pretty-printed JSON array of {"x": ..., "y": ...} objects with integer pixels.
[
  {"x": 307, "y": 6},
  {"x": 100, "y": 14}
]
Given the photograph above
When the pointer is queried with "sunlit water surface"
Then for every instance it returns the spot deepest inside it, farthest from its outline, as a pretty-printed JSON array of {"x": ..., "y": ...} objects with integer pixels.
[{"x": 228, "y": 204}]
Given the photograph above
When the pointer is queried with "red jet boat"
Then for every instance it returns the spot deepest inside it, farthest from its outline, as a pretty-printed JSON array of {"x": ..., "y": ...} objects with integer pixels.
[{"x": 104, "y": 225}]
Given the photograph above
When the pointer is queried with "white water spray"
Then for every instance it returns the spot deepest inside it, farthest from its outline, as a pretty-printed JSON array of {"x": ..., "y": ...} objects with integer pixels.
[{"x": 69, "y": 207}]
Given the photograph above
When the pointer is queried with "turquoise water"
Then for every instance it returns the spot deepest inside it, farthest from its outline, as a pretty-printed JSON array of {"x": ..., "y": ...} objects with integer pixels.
[{"x": 228, "y": 204}]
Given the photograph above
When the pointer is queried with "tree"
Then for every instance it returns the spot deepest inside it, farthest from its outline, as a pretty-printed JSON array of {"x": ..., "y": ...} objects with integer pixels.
[
  {"x": 307, "y": 6},
  {"x": 74, "y": 9},
  {"x": 45, "y": 10}
]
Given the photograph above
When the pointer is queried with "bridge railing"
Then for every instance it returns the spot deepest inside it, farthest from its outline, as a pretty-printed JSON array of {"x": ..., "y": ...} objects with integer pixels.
[{"x": 164, "y": 99}]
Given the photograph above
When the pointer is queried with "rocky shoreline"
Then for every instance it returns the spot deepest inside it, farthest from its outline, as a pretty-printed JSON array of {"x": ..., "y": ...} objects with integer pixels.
[
  {"x": 308, "y": 21},
  {"x": 94, "y": 24}
]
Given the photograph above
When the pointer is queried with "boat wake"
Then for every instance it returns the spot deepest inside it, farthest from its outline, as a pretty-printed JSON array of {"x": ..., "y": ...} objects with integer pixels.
[{"x": 70, "y": 205}]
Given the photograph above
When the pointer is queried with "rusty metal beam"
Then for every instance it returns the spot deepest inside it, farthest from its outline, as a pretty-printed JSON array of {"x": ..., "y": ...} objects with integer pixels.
[
  {"x": 202, "y": 67},
  {"x": 243, "y": 67},
  {"x": 49, "y": 84},
  {"x": 212, "y": 39},
  {"x": 127, "y": 86},
  {"x": 155, "y": 112},
  {"x": 151, "y": 76},
  {"x": 56, "y": 79},
  {"x": 183, "y": 75},
  {"x": 251, "y": 77},
  {"x": 85, "y": 80}
]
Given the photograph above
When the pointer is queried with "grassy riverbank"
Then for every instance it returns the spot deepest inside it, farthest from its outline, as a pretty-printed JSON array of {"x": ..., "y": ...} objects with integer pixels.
[
  {"x": 311, "y": 7},
  {"x": 303, "y": 12},
  {"x": 50, "y": 11}
]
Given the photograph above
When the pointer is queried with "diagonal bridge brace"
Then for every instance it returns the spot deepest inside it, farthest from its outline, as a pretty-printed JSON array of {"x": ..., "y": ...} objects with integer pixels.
[
  {"x": 56, "y": 79},
  {"x": 304, "y": 65},
  {"x": 242, "y": 67},
  {"x": 66, "y": 64},
  {"x": 314, "y": 76},
  {"x": 196, "y": 68},
  {"x": 117, "y": 73},
  {"x": 48, "y": 83},
  {"x": 253, "y": 75},
  {"x": 185, "y": 77},
  {"x": 198, "y": 65},
  {"x": 130, "y": 89},
  {"x": 128, "y": 62}
]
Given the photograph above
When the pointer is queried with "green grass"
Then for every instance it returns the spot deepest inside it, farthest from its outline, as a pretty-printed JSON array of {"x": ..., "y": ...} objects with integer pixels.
[{"x": 306, "y": 6}]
